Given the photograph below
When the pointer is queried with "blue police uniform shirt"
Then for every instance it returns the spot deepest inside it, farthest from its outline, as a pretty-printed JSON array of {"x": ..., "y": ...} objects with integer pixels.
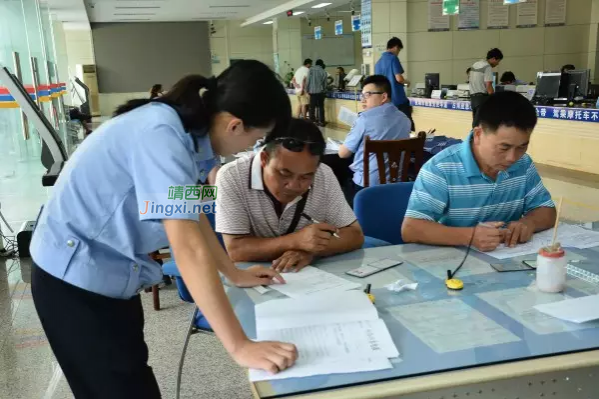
[
  {"x": 95, "y": 232},
  {"x": 452, "y": 190},
  {"x": 384, "y": 122},
  {"x": 388, "y": 65}
]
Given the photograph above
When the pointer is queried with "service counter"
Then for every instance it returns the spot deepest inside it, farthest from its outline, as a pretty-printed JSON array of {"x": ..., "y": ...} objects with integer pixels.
[{"x": 564, "y": 137}]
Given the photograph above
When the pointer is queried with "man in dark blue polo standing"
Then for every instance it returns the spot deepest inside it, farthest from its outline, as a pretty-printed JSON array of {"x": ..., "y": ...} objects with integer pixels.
[{"x": 388, "y": 65}]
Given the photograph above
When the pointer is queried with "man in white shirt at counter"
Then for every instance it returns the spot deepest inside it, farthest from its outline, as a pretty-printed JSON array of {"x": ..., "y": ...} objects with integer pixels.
[
  {"x": 481, "y": 80},
  {"x": 300, "y": 80}
]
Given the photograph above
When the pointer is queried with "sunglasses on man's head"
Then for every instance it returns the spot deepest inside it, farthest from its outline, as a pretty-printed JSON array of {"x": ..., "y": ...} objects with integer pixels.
[{"x": 297, "y": 145}]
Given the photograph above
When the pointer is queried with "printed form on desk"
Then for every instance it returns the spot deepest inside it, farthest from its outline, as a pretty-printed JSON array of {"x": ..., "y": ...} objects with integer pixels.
[
  {"x": 311, "y": 280},
  {"x": 568, "y": 236},
  {"x": 334, "y": 333}
]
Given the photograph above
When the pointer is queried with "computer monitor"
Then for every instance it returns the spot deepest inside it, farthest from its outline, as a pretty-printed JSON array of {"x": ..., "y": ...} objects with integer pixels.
[
  {"x": 575, "y": 83},
  {"x": 431, "y": 82},
  {"x": 548, "y": 84}
]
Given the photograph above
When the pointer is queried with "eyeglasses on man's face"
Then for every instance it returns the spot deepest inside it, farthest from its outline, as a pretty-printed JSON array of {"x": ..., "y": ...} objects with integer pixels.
[{"x": 367, "y": 94}]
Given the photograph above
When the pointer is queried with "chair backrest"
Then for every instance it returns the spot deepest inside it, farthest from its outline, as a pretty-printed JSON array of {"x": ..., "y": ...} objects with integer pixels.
[
  {"x": 394, "y": 150},
  {"x": 381, "y": 209}
]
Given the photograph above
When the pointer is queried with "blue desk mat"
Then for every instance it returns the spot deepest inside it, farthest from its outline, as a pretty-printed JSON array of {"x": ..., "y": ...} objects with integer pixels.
[{"x": 416, "y": 357}]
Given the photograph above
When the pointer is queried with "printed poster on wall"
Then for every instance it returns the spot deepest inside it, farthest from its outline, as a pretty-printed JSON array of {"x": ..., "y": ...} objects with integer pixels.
[
  {"x": 437, "y": 22},
  {"x": 555, "y": 12},
  {"x": 366, "y": 23},
  {"x": 355, "y": 23},
  {"x": 317, "y": 32},
  {"x": 498, "y": 16},
  {"x": 513, "y": 1},
  {"x": 527, "y": 14},
  {"x": 469, "y": 18},
  {"x": 339, "y": 27}
]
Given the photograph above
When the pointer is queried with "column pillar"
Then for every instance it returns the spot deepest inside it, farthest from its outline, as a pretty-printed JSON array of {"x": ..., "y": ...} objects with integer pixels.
[
  {"x": 275, "y": 45},
  {"x": 289, "y": 39},
  {"x": 389, "y": 18},
  {"x": 593, "y": 57}
]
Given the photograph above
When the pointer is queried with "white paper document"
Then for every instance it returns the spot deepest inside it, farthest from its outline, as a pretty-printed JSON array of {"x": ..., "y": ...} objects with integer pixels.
[
  {"x": 303, "y": 368},
  {"x": 450, "y": 325},
  {"x": 346, "y": 116},
  {"x": 334, "y": 333},
  {"x": 346, "y": 307},
  {"x": 576, "y": 310},
  {"x": 311, "y": 280},
  {"x": 567, "y": 235},
  {"x": 332, "y": 146},
  {"x": 368, "y": 338},
  {"x": 438, "y": 260},
  {"x": 519, "y": 304}
]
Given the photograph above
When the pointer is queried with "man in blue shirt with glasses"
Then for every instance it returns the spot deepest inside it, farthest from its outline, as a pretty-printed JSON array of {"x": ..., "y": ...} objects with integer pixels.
[
  {"x": 381, "y": 120},
  {"x": 390, "y": 66}
]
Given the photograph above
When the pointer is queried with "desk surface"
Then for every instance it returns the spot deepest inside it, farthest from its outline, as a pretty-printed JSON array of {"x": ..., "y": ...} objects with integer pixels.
[{"x": 485, "y": 312}]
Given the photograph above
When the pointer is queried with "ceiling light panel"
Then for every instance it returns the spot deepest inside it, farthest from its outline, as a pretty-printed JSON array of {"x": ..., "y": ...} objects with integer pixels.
[{"x": 321, "y": 5}]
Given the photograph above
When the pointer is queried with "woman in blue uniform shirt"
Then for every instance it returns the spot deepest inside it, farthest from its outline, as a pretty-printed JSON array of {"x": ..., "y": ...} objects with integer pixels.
[{"x": 93, "y": 237}]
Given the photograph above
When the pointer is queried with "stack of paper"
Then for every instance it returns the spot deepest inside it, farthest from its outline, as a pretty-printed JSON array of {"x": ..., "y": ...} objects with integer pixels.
[
  {"x": 339, "y": 333},
  {"x": 311, "y": 280},
  {"x": 347, "y": 116},
  {"x": 577, "y": 310},
  {"x": 332, "y": 146}
]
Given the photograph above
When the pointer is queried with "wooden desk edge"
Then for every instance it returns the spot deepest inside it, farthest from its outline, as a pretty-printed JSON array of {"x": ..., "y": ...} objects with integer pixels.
[{"x": 442, "y": 380}]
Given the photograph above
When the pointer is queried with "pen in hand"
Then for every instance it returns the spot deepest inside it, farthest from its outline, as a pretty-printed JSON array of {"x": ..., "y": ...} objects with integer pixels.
[{"x": 317, "y": 222}]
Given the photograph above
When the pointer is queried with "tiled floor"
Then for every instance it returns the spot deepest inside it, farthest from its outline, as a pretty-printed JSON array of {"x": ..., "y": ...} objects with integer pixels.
[{"x": 27, "y": 366}]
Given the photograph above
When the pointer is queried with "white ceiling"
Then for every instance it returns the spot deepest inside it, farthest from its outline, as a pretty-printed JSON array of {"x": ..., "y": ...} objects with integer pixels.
[
  {"x": 77, "y": 13},
  {"x": 174, "y": 10}
]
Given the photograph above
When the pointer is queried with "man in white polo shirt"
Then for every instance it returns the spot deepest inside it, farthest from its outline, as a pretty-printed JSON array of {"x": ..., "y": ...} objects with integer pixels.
[
  {"x": 300, "y": 81},
  {"x": 283, "y": 205},
  {"x": 481, "y": 80}
]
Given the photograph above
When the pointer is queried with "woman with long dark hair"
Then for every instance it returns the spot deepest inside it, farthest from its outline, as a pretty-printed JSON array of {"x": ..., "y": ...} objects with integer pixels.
[
  {"x": 93, "y": 237},
  {"x": 156, "y": 91}
]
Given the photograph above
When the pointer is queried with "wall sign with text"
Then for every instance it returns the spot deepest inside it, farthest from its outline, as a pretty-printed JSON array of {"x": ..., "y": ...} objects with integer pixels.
[
  {"x": 366, "y": 23},
  {"x": 317, "y": 32},
  {"x": 562, "y": 113},
  {"x": 339, "y": 27}
]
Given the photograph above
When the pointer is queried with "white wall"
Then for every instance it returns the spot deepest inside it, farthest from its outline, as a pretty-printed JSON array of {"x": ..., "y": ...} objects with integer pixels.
[
  {"x": 62, "y": 58},
  {"x": 231, "y": 41},
  {"x": 328, "y": 29},
  {"x": 80, "y": 48},
  {"x": 526, "y": 50},
  {"x": 289, "y": 39}
]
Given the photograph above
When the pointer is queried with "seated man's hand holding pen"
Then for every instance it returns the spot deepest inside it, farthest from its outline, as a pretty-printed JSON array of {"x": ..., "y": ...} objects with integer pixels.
[
  {"x": 488, "y": 236},
  {"x": 519, "y": 232},
  {"x": 315, "y": 238},
  {"x": 310, "y": 241}
]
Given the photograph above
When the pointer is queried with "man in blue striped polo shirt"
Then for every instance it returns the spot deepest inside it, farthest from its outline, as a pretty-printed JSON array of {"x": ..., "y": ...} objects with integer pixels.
[{"x": 469, "y": 192}]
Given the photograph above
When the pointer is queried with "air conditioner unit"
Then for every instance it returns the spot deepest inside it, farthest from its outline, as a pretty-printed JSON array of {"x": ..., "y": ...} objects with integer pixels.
[{"x": 87, "y": 74}]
